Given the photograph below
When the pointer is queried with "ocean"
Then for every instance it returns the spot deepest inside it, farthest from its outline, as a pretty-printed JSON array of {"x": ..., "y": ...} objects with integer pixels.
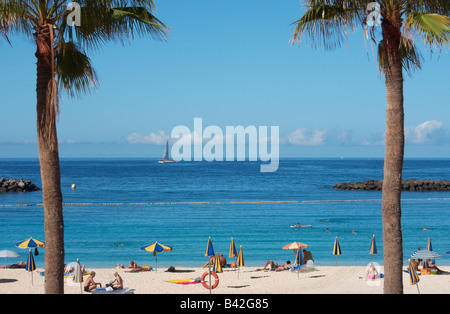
[{"x": 120, "y": 205}]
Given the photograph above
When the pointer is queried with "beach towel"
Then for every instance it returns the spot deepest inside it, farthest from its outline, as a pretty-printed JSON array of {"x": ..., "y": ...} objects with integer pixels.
[
  {"x": 110, "y": 290},
  {"x": 184, "y": 281}
]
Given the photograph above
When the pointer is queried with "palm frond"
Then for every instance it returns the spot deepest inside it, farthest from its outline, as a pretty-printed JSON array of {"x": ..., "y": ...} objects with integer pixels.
[
  {"x": 104, "y": 21},
  {"x": 74, "y": 71},
  {"x": 434, "y": 29},
  {"x": 329, "y": 23},
  {"x": 410, "y": 55}
]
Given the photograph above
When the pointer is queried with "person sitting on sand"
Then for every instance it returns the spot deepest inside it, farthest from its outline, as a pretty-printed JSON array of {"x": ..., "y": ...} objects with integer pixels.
[
  {"x": 222, "y": 260},
  {"x": 209, "y": 262},
  {"x": 117, "y": 283},
  {"x": 372, "y": 272},
  {"x": 432, "y": 265},
  {"x": 133, "y": 265},
  {"x": 90, "y": 284},
  {"x": 307, "y": 256}
]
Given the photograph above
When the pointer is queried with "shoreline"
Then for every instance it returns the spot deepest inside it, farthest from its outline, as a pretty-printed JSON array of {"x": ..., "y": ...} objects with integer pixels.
[{"x": 248, "y": 280}]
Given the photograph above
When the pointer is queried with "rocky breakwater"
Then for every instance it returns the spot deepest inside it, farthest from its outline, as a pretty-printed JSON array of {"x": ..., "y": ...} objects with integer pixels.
[
  {"x": 16, "y": 185},
  {"x": 407, "y": 185}
]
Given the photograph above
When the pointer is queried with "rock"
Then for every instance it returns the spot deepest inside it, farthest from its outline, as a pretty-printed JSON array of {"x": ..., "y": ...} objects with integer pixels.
[
  {"x": 14, "y": 185},
  {"x": 407, "y": 185}
]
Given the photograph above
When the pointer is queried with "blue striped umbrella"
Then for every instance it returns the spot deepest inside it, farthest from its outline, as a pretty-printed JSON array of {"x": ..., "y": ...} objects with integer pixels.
[
  {"x": 373, "y": 248},
  {"x": 299, "y": 257},
  {"x": 299, "y": 260},
  {"x": 413, "y": 277},
  {"x": 31, "y": 265},
  {"x": 78, "y": 277},
  {"x": 336, "y": 249},
  {"x": 30, "y": 243},
  {"x": 209, "y": 253},
  {"x": 429, "y": 246},
  {"x": 209, "y": 248},
  {"x": 156, "y": 247}
]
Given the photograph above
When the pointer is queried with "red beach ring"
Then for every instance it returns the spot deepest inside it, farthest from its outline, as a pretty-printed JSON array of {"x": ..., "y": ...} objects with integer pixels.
[{"x": 216, "y": 283}]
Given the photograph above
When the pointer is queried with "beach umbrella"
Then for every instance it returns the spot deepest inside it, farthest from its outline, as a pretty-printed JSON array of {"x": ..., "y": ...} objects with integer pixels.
[
  {"x": 209, "y": 253},
  {"x": 217, "y": 267},
  {"x": 425, "y": 254},
  {"x": 209, "y": 248},
  {"x": 6, "y": 253},
  {"x": 30, "y": 244},
  {"x": 240, "y": 259},
  {"x": 31, "y": 265},
  {"x": 233, "y": 252},
  {"x": 413, "y": 277},
  {"x": 429, "y": 246},
  {"x": 336, "y": 249},
  {"x": 156, "y": 247},
  {"x": 373, "y": 248},
  {"x": 298, "y": 260},
  {"x": 78, "y": 277},
  {"x": 295, "y": 246}
]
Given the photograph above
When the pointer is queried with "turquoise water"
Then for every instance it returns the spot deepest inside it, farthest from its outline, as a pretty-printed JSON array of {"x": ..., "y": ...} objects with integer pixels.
[{"x": 133, "y": 187}]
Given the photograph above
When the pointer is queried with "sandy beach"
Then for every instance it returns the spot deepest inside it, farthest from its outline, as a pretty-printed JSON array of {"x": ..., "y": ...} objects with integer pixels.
[{"x": 323, "y": 280}]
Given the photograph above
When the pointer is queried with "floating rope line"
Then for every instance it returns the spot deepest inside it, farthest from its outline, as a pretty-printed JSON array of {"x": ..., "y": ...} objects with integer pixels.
[{"x": 231, "y": 202}]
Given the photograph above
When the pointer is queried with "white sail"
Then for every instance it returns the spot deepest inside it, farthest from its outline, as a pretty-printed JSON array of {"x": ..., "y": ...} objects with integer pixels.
[
  {"x": 165, "y": 158},
  {"x": 166, "y": 151}
]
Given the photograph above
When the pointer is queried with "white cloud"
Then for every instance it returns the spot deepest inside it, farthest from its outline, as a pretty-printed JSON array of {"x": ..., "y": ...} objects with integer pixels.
[
  {"x": 429, "y": 132},
  {"x": 158, "y": 138},
  {"x": 306, "y": 137}
]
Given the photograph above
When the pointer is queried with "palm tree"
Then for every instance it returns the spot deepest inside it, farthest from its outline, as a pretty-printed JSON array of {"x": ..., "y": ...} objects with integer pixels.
[
  {"x": 62, "y": 64},
  {"x": 399, "y": 23}
]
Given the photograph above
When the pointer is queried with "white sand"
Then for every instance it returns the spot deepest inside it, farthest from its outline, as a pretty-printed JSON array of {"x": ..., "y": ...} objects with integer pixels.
[{"x": 323, "y": 280}]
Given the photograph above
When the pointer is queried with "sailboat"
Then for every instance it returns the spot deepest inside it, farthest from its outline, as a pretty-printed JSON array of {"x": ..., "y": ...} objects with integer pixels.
[{"x": 165, "y": 158}]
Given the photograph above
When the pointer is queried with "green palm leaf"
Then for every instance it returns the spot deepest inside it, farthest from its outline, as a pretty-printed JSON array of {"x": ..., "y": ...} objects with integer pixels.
[
  {"x": 433, "y": 28},
  {"x": 74, "y": 70}
]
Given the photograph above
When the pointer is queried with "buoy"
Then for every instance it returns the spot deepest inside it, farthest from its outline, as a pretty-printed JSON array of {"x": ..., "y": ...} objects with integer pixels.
[
  {"x": 74, "y": 186},
  {"x": 216, "y": 283}
]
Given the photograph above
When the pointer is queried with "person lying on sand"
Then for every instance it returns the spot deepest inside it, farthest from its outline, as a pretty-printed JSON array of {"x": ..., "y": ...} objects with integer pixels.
[
  {"x": 275, "y": 266},
  {"x": 136, "y": 269}
]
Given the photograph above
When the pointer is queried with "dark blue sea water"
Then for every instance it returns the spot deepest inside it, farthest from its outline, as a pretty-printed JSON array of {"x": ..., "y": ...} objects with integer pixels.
[{"x": 112, "y": 187}]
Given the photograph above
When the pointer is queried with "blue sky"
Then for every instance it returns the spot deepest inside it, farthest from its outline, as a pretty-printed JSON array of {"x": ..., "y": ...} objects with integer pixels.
[{"x": 230, "y": 63}]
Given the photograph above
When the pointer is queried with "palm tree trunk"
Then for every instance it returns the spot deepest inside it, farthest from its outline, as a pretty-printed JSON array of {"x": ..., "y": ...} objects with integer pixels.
[
  {"x": 393, "y": 162},
  {"x": 49, "y": 162}
]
